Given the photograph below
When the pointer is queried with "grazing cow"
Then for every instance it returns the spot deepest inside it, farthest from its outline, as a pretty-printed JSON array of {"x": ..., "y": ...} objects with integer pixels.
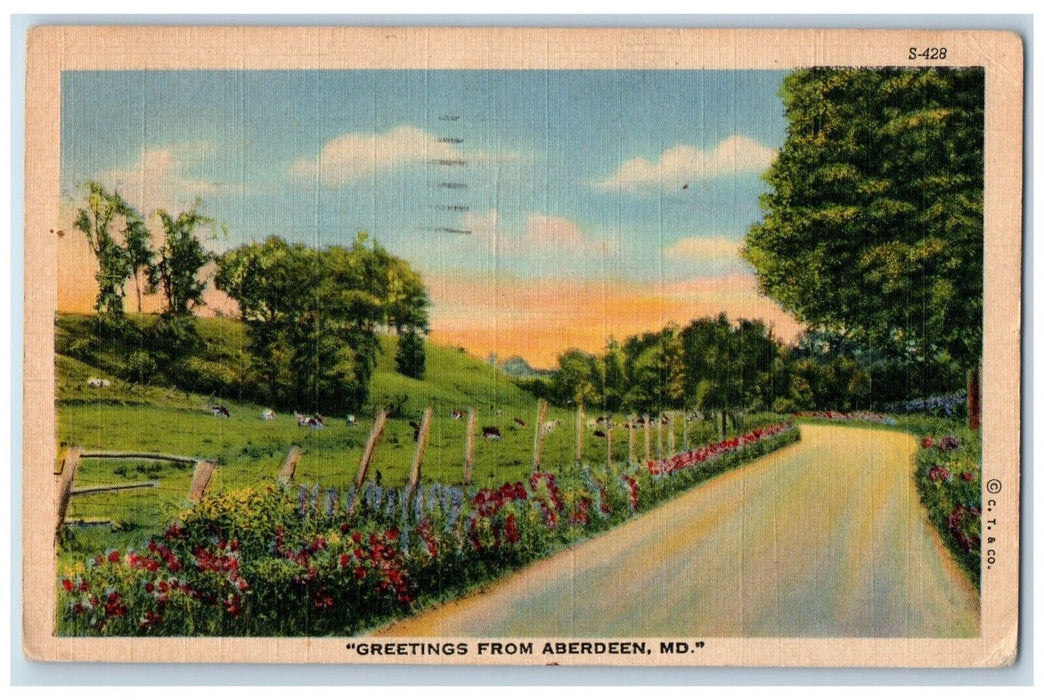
[
  {"x": 221, "y": 411},
  {"x": 549, "y": 426},
  {"x": 456, "y": 414},
  {"x": 599, "y": 433},
  {"x": 415, "y": 425},
  {"x": 315, "y": 422},
  {"x": 96, "y": 383},
  {"x": 600, "y": 419},
  {"x": 268, "y": 414},
  {"x": 520, "y": 423},
  {"x": 349, "y": 419},
  {"x": 491, "y": 432}
]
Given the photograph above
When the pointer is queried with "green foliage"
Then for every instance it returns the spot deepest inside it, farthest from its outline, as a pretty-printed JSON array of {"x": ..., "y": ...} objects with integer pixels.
[
  {"x": 710, "y": 364},
  {"x": 103, "y": 212},
  {"x": 949, "y": 478},
  {"x": 578, "y": 379},
  {"x": 176, "y": 270},
  {"x": 409, "y": 354},
  {"x": 313, "y": 316},
  {"x": 207, "y": 377},
  {"x": 141, "y": 367},
  {"x": 873, "y": 226},
  {"x": 140, "y": 256}
]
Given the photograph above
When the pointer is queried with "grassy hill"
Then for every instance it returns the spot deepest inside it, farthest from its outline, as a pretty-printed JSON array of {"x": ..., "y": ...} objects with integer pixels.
[{"x": 163, "y": 418}]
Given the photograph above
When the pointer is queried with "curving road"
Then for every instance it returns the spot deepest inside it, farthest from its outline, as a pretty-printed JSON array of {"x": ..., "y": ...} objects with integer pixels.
[{"x": 824, "y": 538}]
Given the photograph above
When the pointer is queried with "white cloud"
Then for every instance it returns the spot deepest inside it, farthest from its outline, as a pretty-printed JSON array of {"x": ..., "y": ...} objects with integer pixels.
[
  {"x": 703, "y": 249},
  {"x": 353, "y": 155},
  {"x": 358, "y": 154},
  {"x": 157, "y": 180},
  {"x": 682, "y": 164},
  {"x": 554, "y": 232}
]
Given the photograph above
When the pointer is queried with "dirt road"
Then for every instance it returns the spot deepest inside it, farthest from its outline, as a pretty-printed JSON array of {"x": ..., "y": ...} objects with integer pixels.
[{"x": 823, "y": 538}]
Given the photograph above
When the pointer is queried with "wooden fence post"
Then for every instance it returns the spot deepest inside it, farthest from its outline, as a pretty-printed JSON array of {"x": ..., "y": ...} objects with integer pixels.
[
  {"x": 418, "y": 453},
  {"x": 579, "y": 434},
  {"x": 469, "y": 445},
  {"x": 630, "y": 439},
  {"x": 648, "y": 438},
  {"x": 670, "y": 432},
  {"x": 200, "y": 480},
  {"x": 371, "y": 446},
  {"x": 66, "y": 472},
  {"x": 659, "y": 436},
  {"x": 367, "y": 456},
  {"x": 538, "y": 433},
  {"x": 286, "y": 473},
  {"x": 609, "y": 447},
  {"x": 685, "y": 431}
]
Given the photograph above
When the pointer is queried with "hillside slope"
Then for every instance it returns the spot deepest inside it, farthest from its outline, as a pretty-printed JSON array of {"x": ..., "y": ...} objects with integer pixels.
[{"x": 452, "y": 378}]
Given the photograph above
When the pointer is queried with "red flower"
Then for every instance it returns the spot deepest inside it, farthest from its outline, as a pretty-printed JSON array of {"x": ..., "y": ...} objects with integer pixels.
[
  {"x": 927, "y": 442},
  {"x": 511, "y": 529},
  {"x": 392, "y": 534},
  {"x": 356, "y": 537},
  {"x": 114, "y": 556},
  {"x": 67, "y": 585},
  {"x": 344, "y": 528},
  {"x": 232, "y": 605},
  {"x": 967, "y": 476},
  {"x": 360, "y": 573},
  {"x": 938, "y": 473}
]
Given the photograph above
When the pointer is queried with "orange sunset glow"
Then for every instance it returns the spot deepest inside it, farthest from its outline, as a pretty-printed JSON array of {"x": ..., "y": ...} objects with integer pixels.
[{"x": 536, "y": 319}]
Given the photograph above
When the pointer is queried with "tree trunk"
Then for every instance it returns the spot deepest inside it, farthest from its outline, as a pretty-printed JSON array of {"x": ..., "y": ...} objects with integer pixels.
[
  {"x": 974, "y": 398},
  {"x": 137, "y": 288}
]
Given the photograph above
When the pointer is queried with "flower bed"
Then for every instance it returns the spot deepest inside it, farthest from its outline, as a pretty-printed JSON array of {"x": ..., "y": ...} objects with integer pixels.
[
  {"x": 271, "y": 560},
  {"x": 842, "y": 417},
  {"x": 945, "y": 406},
  {"x": 949, "y": 478}
]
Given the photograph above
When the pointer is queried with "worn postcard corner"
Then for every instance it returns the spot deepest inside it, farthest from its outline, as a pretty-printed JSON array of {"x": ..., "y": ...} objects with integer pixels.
[{"x": 522, "y": 346}]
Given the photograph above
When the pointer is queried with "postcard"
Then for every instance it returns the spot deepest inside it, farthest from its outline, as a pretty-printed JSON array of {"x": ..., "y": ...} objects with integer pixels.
[{"x": 522, "y": 346}]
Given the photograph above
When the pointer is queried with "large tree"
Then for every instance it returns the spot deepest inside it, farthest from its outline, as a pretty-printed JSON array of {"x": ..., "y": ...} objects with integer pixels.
[
  {"x": 107, "y": 220},
  {"x": 176, "y": 271},
  {"x": 140, "y": 255},
  {"x": 873, "y": 227},
  {"x": 313, "y": 317}
]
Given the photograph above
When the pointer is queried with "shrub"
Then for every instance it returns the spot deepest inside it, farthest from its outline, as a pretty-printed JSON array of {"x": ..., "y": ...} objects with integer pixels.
[
  {"x": 949, "y": 479},
  {"x": 205, "y": 377},
  {"x": 409, "y": 356},
  {"x": 141, "y": 367}
]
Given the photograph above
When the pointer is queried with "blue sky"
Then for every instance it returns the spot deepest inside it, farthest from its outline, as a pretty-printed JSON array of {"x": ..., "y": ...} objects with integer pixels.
[
  {"x": 622, "y": 197},
  {"x": 539, "y": 148}
]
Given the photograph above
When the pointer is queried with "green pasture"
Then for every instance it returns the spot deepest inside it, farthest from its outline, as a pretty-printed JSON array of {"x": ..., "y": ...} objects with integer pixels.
[{"x": 248, "y": 449}]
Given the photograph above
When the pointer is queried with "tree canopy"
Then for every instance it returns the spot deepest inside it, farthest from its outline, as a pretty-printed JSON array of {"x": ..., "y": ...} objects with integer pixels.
[
  {"x": 873, "y": 228},
  {"x": 313, "y": 315}
]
